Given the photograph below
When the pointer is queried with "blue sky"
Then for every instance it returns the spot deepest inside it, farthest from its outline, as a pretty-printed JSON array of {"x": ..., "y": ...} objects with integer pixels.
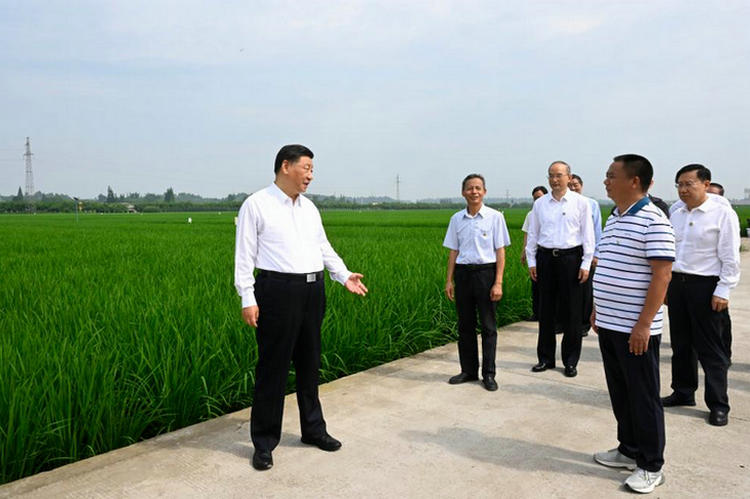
[{"x": 199, "y": 95}]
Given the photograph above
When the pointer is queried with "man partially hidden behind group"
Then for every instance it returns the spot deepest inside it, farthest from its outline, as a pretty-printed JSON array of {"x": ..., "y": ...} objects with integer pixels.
[
  {"x": 576, "y": 185},
  {"x": 706, "y": 268},
  {"x": 536, "y": 193},
  {"x": 476, "y": 237},
  {"x": 635, "y": 260},
  {"x": 559, "y": 250},
  {"x": 279, "y": 233}
]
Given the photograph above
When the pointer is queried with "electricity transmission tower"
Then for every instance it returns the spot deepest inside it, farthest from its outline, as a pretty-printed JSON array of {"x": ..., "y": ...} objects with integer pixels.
[
  {"x": 398, "y": 185},
  {"x": 29, "y": 174}
]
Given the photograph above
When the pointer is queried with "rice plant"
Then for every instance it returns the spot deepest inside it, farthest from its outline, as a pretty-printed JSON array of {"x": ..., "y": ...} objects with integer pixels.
[{"x": 121, "y": 327}]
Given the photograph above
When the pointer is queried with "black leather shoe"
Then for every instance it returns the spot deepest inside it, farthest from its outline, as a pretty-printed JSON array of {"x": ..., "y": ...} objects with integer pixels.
[
  {"x": 542, "y": 366},
  {"x": 462, "y": 378},
  {"x": 571, "y": 371},
  {"x": 675, "y": 400},
  {"x": 489, "y": 383},
  {"x": 325, "y": 442},
  {"x": 262, "y": 460},
  {"x": 718, "y": 418}
]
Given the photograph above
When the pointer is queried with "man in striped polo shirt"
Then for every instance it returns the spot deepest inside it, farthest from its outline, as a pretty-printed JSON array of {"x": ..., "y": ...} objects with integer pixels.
[{"x": 635, "y": 263}]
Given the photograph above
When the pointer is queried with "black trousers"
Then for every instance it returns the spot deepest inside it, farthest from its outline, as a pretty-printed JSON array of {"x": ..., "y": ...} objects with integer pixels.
[
  {"x": 726, "y": 331},
  {"x": 633, "y": 385},
  {"x": 559, "y": 290},
  {"x": 696, "y": 333},
  {"x": 587, "y": 300},
  {"x": 472, "y": 298},
  {"x": 291, "y": 312},
  {"x": 535, "y": 300}
]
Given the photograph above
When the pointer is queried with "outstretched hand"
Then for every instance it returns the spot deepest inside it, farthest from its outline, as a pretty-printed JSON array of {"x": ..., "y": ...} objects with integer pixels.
[{"x": 355, "y": 285}]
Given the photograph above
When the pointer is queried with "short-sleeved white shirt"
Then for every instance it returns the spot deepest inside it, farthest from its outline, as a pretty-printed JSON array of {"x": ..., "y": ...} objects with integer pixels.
[{"x": 478, "y": 237}]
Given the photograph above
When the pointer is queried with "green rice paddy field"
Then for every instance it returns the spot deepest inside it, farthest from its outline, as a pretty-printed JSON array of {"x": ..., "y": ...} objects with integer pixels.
[
  {"x": 116, "y": 328},
  {"x": 120, "y": 327}
]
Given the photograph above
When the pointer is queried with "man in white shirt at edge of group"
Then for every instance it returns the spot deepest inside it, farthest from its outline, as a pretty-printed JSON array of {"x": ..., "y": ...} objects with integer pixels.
[
  {"x": 635, "y": 261},
  {"x": 279, "y": 233},
  {"x": 559, "y": 249},
  {"x": 716, "y": 191},
  {"x": 706, "y": 268}
]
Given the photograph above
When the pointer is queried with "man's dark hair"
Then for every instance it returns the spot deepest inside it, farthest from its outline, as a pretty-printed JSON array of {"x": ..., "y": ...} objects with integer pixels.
[
  {"x": 538, "y": 188},
  {"x": 291, "y": 153},
  {"x": 659, "y": 202},
  {"x": 576, "y": 177},
  {"x": 701, "y": 172},
  {"x": 637, "y": 166},
  {"x": 471, "y": 176},
  {"x": 718, "y": 186}
]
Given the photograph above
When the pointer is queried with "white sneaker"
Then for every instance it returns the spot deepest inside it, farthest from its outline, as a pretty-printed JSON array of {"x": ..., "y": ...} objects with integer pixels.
[
  {"x": 644, "y": 481},
  {"x": 614, "y": 459}
]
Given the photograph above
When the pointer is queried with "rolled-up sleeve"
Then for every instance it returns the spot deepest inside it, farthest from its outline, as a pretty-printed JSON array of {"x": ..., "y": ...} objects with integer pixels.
[
  {"x": 587, "y": 235},
  {"x": 729, "y": 254}
]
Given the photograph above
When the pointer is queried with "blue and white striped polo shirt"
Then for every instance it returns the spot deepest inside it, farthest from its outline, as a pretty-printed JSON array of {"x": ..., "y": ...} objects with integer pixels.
[{"x": 623, "y": 273}]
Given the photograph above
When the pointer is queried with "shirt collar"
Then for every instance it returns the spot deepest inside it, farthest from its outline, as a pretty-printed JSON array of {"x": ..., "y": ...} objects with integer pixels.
[
  {"x": 706, "y": 205},
  {"x": 481, "y": 213},
  {"x": 709, "y": 204},
  {"x": 566, "y": 197},
  {"x": 282, "y": 197},
  {"x": 635, "y": 207}
]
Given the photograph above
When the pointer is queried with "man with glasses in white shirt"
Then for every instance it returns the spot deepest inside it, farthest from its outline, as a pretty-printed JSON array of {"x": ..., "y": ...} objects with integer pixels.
[
  {"x": 559, "y": 250},
  {"x": 706, "y": 268},
  {"x": 279, "y": 233}
]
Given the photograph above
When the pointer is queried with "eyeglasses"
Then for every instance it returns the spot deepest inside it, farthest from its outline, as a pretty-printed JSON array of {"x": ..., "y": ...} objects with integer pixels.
[
  {"x": 552, "y": 176},
  {"x": 686, "y": 185}
]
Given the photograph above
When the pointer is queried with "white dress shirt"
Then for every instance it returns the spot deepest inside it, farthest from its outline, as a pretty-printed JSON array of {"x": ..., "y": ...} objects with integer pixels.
[
  {"x": 477, "y": 238},
  {"x": 708, "y": 242},
  {"x": 596, "y": 217},
  {"x": 525, "y": 226},
  {"x": 562, "y": 224},
  {"x": 278, "y": 234}
]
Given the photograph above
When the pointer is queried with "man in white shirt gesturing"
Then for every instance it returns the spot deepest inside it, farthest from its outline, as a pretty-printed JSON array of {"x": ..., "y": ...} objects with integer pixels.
[{"x": 279, "y": 233}]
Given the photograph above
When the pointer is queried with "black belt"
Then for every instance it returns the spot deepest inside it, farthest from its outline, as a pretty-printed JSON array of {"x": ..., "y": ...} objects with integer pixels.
[
  {"x": 310, "y": 277},
  {"x": 559, "y": 252},
  {"x": 681, "y": 276},
  {"x": 476, "y": 266}
]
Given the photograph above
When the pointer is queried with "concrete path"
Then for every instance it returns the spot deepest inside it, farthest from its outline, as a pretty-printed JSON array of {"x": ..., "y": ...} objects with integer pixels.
[{"x": 407, "y": 433}]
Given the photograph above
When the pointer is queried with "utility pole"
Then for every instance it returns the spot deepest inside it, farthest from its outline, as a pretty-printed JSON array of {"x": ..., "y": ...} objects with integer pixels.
[
  {"x": 29, "y": 174},
  {"x": 398, "y": 188}
]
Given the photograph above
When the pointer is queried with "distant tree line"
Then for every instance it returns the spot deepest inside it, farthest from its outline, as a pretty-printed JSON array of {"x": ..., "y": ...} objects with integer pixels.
[{"x": 171, "y": 202}]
